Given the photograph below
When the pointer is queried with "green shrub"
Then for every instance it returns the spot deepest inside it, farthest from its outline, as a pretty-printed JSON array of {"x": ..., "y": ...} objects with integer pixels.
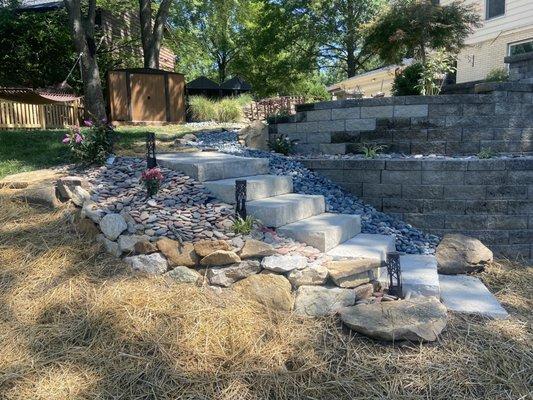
[
  {"x": 202, "y": 108},
  {"x": 282, "y": 145},
  {"x": 244, "y": 226},
  {"x": 497, "y": 75},
  {"x": 406, "y": 83}
]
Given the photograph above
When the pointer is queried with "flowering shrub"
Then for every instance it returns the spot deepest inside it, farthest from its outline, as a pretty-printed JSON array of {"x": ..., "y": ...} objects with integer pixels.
[
  {"x": 282, "y": 145},
  {"x": 152, "y": 179},
  {"x": 94, "y": 145}
]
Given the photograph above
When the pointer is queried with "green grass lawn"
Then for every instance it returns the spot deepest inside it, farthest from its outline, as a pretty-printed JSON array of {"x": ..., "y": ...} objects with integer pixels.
[{"x": 29, "y": 150}]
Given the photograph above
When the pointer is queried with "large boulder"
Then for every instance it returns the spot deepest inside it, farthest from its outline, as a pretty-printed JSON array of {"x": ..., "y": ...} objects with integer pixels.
[
  {"x": 256, "y": 249},
  {"x": 112, "y": 225},
  {"x": 284, "y": 264},
  {"x": 352, "y": 273},
  {"x": 460, "y": 254},
  {"x": 255, "y": 135},
  {"x": 66, "y": 184},
  {"x": 273, "y": 291},
  {"x": 318, "y": 301},
  {"x": 149, "y": 263},
  {"x": 183, "y": 274},
  {"x": 178, "y": 253},
  {"x": 226, "y": 276},
  {"x": 43, "y": 194},
  {"x": 417, "y": 319},
  {"x": 220, "y": 258},
  {"x": 205, "y": 247}
]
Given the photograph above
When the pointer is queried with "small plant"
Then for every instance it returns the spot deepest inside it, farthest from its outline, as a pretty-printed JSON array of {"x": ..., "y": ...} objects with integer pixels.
[
  {"x": 244, "y": 226},
  {"x": 152, "y": 179},
  {"x": 371, "y": 150},
  {"x": 485, "y": 153},
  {"x": 282, "y": 145},
  {"x": 433, "y": 73},
  {"x": 497, "y": 75},
  {"x": 281, "y": 116},
  {"x": 94, "y": 145}
]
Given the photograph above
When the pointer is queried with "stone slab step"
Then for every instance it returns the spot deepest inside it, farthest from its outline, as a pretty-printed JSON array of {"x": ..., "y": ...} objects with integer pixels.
[
  {"x": 365, "y": 245},
  {"x": 257, "y": 187},
  {"x": 323, "y": 231},
  {"x": 285, "y": 209},
  {"x": 212, "y": 166},
  {"x": 468, "y": 295},
  {"x": 419, "y": 275}
]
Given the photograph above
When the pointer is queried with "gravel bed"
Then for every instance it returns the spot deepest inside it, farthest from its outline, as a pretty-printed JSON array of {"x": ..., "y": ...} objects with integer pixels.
[{"x": 408, "y": 239}]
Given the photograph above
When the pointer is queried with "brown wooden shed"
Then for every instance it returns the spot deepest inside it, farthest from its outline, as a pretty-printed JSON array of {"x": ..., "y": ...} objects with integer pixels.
[{"x": 146, "y": 95}]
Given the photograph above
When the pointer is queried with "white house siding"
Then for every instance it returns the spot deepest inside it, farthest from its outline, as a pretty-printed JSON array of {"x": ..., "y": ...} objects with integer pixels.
[{"x": 487, "y": 47}]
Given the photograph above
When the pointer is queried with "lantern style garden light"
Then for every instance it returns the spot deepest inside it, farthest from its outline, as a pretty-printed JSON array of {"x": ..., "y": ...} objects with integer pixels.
[
  {"x": 394, "y": 272},
  {"x": 151, "y": 161},
  {"x": 240, "y": 198}
]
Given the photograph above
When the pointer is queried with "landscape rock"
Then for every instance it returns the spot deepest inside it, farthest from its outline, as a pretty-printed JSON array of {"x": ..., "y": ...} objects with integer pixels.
[
  {"x": 149, "y": 263},
  {"x": 317, "y": 301},
  {"x": 66, "y": 184},
  {"x": 112, "y": 225},
  {"x": 144, "y": 247},
  {"x": 416, "y": 319},
  {"x": 255, "y": 135},
  {"x": 313, "y": 275},
  {"x": 273, "y": 291},
  {"x": 226, "y": 276},
  {"x": 352, "y": 273},
  {"x": 109, "y": 246},
  {"x": 220, "y": 258},
  {"x": 205, "y": 247},
  {"x": 126, "y": 243},
  {"x": 178, "y": 253},
  {"x": 284, "y": 264},
  {"x": 43, "y": 195},
  {"x": 90, "y": 210},
  {"x": 364, "y": 291},
  {"x": 460, "y": 254},
  {"x": 87, "y": 227},
  {"x": 77, "y": 194},
  {"x": 256, "y": 249},
  {"x": 184, "y": 275}
]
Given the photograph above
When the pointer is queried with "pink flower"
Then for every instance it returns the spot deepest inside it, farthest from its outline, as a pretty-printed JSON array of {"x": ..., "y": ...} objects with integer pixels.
[
  {"x": 152, "y": 174},
  {"x": 66, "y": 139},
  {"x": 78, "y": 138},
  {"x": 88, "y": 123}
]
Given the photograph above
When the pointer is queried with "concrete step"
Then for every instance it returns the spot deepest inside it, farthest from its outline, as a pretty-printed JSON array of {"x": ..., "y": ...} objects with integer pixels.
[
  {"x": 285, "y": 209},
  {"x": 468, "y": 295},
  {"x": 323, "y": 231},
  {"x": 419, "y": 275},
  {"x": 365, "y": 245},
  {"x": 257, "y": 187},
  {"x": 212, "y": 166}
]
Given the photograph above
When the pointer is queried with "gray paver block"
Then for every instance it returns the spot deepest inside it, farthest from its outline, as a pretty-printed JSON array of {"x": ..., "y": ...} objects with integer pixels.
[
  {"x": 365, "y": 245},
  {"x": 468, "y": 295}
]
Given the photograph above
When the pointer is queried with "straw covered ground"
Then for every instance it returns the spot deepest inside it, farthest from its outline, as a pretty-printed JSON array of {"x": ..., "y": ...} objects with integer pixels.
[{"x": 75, "y": 324}]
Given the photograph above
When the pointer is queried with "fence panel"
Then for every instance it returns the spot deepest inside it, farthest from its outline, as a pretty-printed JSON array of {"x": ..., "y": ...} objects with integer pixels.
[
  {"x": 261, "y": 109},
  {"x": 15, "y": 115}
]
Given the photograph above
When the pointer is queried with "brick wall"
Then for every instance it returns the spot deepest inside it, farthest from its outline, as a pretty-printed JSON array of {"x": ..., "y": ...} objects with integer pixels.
[
  {"x": 446, "y": 124},
  {"x": 489, "y": 199}
]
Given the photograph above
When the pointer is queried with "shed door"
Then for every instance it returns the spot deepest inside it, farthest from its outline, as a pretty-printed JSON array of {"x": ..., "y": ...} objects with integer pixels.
[
  {"x": 148, "y": 101},
  {"x": 118, "y": 96},
  {"x": 176, "y": 97}
]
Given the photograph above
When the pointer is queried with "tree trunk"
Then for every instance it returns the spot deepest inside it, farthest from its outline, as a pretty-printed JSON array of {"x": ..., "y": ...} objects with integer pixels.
[
  {"x": 152, "y": 37},
  {"x": 83, "y": 36},
  {"x": 350, "y": 60}
]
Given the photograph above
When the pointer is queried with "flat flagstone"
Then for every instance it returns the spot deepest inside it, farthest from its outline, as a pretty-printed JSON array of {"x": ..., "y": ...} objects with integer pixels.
[
  {"x": 468, "y": 295},
  {"x": 419, "y": 274}
]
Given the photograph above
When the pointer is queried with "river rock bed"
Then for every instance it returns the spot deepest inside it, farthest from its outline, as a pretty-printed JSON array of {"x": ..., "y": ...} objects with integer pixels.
[{"x": 408, "y": 238}]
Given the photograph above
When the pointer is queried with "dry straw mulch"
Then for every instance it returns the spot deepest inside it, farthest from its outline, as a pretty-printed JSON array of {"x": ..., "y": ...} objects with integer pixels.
[{"x": 74, "y": 324}]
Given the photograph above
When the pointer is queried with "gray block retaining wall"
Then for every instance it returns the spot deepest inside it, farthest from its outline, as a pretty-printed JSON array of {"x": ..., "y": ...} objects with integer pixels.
[
  {"x": 489, "y": 199},
  {"x": 446, "y": 124}
]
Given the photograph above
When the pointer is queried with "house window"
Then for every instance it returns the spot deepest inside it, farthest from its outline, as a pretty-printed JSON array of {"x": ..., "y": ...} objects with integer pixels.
[
  {"x": 495, "y": 8},
  {"x": 521, "y": 47}
]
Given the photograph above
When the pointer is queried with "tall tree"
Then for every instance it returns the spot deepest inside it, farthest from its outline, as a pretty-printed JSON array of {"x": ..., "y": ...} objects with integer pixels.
[
  {"x": 82, "y": 26},
  {"x": 152, "y": 30},
  {"x": 414, "y": 28},
  {"x": 339, "y": 26}
]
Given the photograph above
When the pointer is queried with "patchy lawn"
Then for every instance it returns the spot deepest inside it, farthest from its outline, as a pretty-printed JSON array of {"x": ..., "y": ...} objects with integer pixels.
[
  {"x": 28, "y": 150},
  {"x": 75, "y": 324}
]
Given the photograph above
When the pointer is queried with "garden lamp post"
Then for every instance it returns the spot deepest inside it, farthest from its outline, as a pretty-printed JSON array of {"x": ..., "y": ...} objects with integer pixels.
[
  {"x": 240, "y": 198},
  {"x": 151, "y": 161}
]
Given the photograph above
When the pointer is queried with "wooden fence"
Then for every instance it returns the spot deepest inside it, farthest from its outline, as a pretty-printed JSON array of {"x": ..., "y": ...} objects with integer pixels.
[
  {"x": 39, "y": 116},
  {"x": 259, "y": 110}
]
